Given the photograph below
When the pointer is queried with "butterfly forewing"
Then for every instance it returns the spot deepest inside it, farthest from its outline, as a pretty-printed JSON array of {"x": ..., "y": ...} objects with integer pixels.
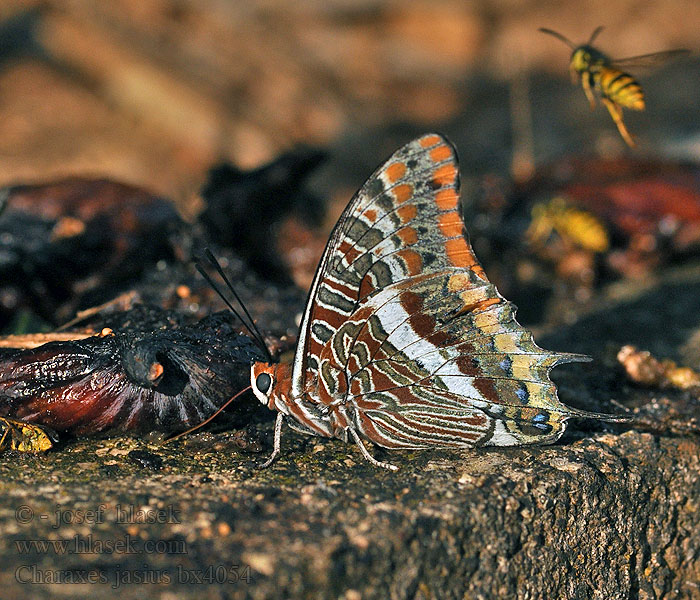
[
  {"x": 382, "y": 237},
  {"x": 404, "y": 329}
]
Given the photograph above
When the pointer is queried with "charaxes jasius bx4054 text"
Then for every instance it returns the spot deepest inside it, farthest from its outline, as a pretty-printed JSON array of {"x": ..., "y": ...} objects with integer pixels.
[{"x": 404, "y": 341}]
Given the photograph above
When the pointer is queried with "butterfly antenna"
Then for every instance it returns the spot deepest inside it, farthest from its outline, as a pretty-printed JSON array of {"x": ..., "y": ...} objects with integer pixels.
[
  {"x": 217, "y": 266},
  {"x": 215, "y": 287},
  {"x": 559, "y": 36},
  {"x": 203, "y": 423},
  {"x": 250, "y": 324},
  {"x": 595, "y": 34},
  {"x": 258, "y": 341}
]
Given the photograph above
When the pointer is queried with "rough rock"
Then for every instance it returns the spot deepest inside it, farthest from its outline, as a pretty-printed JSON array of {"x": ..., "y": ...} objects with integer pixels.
[{"x": 608, "y": 512}]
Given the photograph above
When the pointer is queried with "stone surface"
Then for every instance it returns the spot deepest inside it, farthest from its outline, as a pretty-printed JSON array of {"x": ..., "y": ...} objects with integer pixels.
[{"x": 608, "y": 512}]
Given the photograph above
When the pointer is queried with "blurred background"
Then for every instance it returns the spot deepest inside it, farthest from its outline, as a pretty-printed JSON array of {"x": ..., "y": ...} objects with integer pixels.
[
  {"x": 153, "y": 92},
  {"x": 156, "y": 92}
]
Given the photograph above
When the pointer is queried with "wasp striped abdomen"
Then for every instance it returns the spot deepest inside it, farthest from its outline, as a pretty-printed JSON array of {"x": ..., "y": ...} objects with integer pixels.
[{"x": 619, "y": 87}]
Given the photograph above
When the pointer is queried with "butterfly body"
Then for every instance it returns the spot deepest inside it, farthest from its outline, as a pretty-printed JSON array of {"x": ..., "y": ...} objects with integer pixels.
[{"x": 404, "y": 341}]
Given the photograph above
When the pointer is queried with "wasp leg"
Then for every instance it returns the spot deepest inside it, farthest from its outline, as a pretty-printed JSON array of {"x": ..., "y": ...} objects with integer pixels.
[
  {"x": 277, "y": 443},
  {"x": 616, "y": 113},
  {"x": 367, "y": 455},
  {"x": 4, "y": 435},
  {"x": 587, "y": 88}
]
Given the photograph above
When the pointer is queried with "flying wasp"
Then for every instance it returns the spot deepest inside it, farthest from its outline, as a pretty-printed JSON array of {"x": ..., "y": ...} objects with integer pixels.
[{"x": 617, "y": 89}]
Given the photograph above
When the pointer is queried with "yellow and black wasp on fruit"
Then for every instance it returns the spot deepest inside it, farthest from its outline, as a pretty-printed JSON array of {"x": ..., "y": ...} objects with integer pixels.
[{"x": 600, "y": 73}]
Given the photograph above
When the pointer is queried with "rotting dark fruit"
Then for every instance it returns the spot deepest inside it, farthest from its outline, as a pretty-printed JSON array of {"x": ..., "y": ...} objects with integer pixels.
[
  {"x": 74, "y": 241},
  {"x": 131, "y": 380}
]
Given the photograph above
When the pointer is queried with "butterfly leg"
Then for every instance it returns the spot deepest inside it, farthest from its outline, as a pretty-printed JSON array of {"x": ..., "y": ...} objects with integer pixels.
[
  {"x": 616, "y": 113},
  {"x": 277, "y": 442},
  {"x": 367, "y": 455}
]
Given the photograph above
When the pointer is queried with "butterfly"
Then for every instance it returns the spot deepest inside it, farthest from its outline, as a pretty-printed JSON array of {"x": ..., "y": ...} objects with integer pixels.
[{"x": 404, "y": 342}]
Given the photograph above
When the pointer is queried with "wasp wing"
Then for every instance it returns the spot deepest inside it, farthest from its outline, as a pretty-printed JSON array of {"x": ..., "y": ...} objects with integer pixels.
[{"x": 648, "y": 60}]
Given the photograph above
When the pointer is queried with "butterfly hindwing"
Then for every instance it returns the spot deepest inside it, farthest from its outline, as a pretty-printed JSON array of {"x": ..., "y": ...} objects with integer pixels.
[{"x": 417, "y": 381}]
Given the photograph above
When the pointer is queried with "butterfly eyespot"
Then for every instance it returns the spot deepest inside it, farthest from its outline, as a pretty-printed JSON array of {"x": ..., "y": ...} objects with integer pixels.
[{"x": 263, "y": 382}]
